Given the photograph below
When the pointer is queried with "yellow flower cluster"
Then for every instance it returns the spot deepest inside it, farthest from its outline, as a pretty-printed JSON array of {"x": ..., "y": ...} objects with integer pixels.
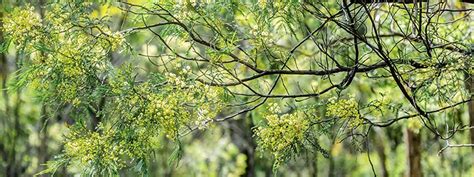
[
  {"x": 347, "y": 109},
  {"x": 22, "y": 25},
  {"x": 72, "y": 70},
  {"x": 178, "y": 81},
  {"x": 168, "y": 112},
  {"x": 107, "y": 148},
  {"x": 114, "y": 39},
  {"x": 119, "y": 84},
  {"x": 148, "y": 110},
  {"x": 88, "y": 147},
  {"x": 283, "y": 131},
  {"x": 61, "y": 53},
  {"x": 183, "y": 104},
  {"x": 69, "y": 92},
  {"x": 166, "y": 105}
]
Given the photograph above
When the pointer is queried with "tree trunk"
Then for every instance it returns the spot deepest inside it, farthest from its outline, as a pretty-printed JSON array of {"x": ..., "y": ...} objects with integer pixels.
[
  {"x": 380, "y": 148},
  {"x": 413, "y": 140},
  {"x": 241, "y": 135},
  {"x": 331, "y": 172},
  {"x": 43, "y": 155},
  {"x": 314, "y": 172},
  {"x": 9, "y": 152},
  {"x": 470, "y": 87}
]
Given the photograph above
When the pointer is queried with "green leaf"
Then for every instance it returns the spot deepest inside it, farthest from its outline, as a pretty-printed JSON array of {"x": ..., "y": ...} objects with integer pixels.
[{"x": 176, "y": 154}]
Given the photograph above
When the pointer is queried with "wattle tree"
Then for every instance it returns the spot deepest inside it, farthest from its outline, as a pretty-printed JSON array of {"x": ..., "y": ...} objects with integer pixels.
[{"x": 132, "y": 87}]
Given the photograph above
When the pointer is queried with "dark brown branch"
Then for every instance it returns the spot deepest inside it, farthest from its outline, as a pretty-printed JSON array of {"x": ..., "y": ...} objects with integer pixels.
[
  {"x": 392, "y": 121},
  {"x": 385, "y": 1}
]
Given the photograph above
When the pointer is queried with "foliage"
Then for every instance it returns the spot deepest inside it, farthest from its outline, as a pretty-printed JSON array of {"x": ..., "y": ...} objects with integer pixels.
[{"x": 283, "y": 133}]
